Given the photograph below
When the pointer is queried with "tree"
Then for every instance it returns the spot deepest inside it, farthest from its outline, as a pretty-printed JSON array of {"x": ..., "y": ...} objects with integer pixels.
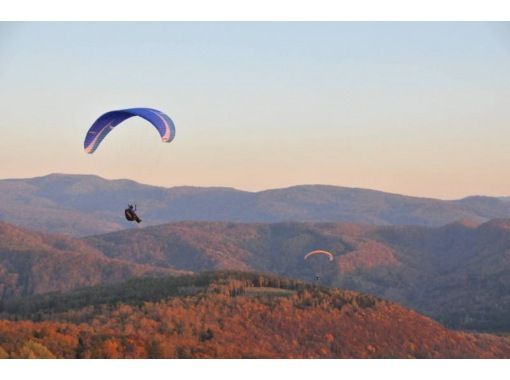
[
  {"x": 110, "y": 349},
  {"x": 3, "y": 353},
  {"x": 35, "y": 350}
]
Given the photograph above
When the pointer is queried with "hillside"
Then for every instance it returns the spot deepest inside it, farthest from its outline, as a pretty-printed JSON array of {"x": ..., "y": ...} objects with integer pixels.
[
  {"x": 230, "y": 315},
  {"x": 83, "y": 205},
  {"x": 457, "y": 273},
  {"x": 32, "y": 263}
]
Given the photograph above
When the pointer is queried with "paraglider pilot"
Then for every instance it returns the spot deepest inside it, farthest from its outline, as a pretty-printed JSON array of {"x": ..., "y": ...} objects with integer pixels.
[{"x": 130, "y": 214}]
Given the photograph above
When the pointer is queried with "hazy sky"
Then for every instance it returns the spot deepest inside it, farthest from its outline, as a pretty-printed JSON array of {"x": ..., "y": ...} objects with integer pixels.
[{"x": 413, "y": 108}]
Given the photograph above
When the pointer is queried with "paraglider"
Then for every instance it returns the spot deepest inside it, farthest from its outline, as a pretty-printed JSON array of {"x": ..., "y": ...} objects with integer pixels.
[
  {"x": 131, "y": 215},
  {"x": 320, "y": 252},
  {"x": 106, "y": 122}
]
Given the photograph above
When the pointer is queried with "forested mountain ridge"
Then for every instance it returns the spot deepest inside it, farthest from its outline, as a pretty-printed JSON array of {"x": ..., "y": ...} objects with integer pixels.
[
  {"x": 457, "y": 274},
  {"x": 34, "y": 262},
  {"x": 230, "y": 315},
  {"x": 82, "y": 205}
]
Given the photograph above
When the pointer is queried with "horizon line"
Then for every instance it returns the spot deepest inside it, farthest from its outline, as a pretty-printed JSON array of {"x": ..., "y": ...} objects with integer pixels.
[{"x": 259, "y": 191}]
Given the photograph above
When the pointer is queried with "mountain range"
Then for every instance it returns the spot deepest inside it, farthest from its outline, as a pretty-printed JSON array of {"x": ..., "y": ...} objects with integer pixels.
[
  {"x": 33, "y": 263},
  {"x": 82, "y": 205},
  {"x": 457, "y": 274}
]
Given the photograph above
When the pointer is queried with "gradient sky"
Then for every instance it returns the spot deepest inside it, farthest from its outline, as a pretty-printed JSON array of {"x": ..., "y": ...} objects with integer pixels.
[{"x": 412, "y": 108}]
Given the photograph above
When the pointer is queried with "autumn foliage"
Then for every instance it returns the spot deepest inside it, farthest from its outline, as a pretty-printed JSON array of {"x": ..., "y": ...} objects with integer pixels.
[{"x": 232, "y": 315}]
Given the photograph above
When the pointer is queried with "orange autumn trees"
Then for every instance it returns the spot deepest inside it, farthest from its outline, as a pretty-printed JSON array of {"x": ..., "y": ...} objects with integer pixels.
[{"x": 229, "y": 315}]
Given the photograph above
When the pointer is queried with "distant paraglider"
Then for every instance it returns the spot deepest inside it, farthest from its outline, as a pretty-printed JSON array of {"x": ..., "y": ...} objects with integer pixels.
[
  {"x": 106, "y": 122},
  {"x": 320, "y": 252}
]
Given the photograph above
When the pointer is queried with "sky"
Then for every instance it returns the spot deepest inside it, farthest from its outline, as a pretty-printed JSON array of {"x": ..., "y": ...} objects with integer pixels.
[{"x": 416, "y": 108}]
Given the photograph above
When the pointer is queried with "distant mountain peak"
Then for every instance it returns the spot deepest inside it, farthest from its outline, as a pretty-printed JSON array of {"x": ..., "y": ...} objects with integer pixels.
[
  {"x": 464, "y": 222},
  {"x": 83, "y": 204},
  {"x": 499, "y": 223}
]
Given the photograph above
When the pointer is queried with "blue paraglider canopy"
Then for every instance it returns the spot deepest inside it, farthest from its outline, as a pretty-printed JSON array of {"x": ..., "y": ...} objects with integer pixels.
[{"x": 106, "y": 122}]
